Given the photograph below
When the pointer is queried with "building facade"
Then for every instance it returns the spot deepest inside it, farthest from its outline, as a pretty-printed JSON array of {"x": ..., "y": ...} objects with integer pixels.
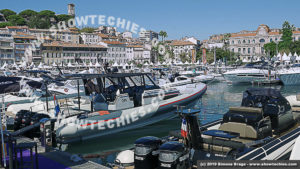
[
  {"x": 61, "y": 52},
  {"x": 90, "y": 38},
  {"x": 25, "y": 47},
  {"x": 187, "y": 48},
  {"x": 251, "y": 43},
  {"x": 2, "y": 18},
  {"x": 147, "y": 35},
  {"x": 116, "y": 52},
  {"x": 6, "y": 49}
]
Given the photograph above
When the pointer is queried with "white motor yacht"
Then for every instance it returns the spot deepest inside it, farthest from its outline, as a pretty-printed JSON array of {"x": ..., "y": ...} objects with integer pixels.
[
  {"x": 290, "y": 76},
  {"x": 249, "y": 73}
]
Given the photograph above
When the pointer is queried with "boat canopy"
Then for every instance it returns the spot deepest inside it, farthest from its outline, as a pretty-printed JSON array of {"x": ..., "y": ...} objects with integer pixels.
[
  {"x": 270, "y": 100},
  {"x": 109, "y": 85},
  {"x": 12, "y": 84}
]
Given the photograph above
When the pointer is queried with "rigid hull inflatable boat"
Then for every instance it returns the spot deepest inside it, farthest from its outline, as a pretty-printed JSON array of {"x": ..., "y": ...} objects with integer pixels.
[
  {"x": 263, "y": 128},
  {"x": 122, "y": 102}
]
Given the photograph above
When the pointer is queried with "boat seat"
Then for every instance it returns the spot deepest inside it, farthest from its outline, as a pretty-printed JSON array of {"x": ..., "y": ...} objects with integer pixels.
[
  {"x": 121, "y": 102},
  {"x": 296, "y": 109},
  {"x": 245, "y": 109},
  {"x": 245, "y": 131},
  {"x": 209, "y": 147},
  {"x": 223, "y": 142},
  {"x": 248, "y": 115},
  {"x": 298, "y": 97}
]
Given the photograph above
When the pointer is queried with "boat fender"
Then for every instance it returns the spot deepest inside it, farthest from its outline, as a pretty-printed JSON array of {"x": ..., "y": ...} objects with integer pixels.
[{"x": 125, "y": 157}]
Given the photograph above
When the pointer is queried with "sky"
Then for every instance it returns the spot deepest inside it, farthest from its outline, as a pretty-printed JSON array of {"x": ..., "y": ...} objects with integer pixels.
[{"x": 179, "y": 18}]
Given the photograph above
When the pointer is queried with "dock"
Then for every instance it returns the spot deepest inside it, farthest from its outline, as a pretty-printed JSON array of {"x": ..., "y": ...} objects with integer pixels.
[{"x": 57, "y": 159}]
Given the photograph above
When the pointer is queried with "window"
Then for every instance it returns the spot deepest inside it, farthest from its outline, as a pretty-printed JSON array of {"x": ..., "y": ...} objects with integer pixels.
[
  {"x": 248, "y": 41},
  {"x": 271, "y": 40},
  {"x": 262, "y": 40},
  {"x": 244, "y": 50},
  {"x": 239, "y": 41},
  {"x": 276, "y": 39},
  {"x": 244, "y": 41},
  {"x": 253, "y": 41},
  {"x": 239, "y": 50},
  {"x": 249, "y": 51},
  {"x": 232, "y": 42},
  {"x": 232, "y": 49}
]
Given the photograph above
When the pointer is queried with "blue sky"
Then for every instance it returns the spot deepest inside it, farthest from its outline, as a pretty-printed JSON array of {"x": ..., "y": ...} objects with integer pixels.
[{"x": 198, "y": 18}]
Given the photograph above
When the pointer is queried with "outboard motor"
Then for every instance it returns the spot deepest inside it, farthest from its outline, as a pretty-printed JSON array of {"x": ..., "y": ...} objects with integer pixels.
[
  {"x": 173, "y": 155},
  {"x": 143, "y": 157}
]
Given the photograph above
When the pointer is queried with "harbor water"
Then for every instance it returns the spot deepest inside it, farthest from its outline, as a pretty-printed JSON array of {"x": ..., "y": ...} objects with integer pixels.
[{"x": 218, "y": 98}]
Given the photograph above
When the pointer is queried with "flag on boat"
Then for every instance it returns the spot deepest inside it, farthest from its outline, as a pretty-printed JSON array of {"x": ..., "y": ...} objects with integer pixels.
[
  {"x": 184, "y": 129},
  {"x": 204, "y": 61},
  {"x": 56, "y": 109}
]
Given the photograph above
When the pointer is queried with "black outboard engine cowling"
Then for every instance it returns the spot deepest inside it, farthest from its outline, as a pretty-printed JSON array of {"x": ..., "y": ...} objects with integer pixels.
[
  {"x": 173, "y": 155},
  {"x": 143, "y": 157}
]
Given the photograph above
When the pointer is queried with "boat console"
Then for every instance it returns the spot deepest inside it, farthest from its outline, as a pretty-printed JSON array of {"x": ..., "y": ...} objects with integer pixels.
[{"x": 248, "y": 122}]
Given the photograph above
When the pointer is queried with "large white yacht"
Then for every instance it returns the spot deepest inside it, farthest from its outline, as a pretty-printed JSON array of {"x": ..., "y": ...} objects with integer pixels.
[
  {"x": 249, "y": 73},
  {"x": 290, "y": 76}
]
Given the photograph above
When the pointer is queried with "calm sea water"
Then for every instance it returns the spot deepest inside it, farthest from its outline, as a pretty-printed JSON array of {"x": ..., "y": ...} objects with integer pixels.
[{"x": 213, "y": 105}]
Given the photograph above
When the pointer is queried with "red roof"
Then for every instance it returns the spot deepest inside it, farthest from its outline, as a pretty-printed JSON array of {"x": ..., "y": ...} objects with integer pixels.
[
  {"x": 113, "y": 42},
  {"x": 181, "y": 43}
]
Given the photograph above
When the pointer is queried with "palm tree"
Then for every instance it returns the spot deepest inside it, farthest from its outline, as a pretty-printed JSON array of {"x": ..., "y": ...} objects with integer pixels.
[{"x": 163, "y": 35}]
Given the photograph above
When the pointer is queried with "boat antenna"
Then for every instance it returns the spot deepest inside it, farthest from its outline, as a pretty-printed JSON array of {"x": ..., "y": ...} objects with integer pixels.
[{"x": 60, "y": 72}]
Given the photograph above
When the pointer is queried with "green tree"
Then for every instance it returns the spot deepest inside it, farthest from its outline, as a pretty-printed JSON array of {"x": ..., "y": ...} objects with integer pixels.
[
  {"x": 295, "y": 47},
  {"x": 163, "y": 35},
  {"x": 4, "y": 24},
  {"x": 270, "y": 48},
  {"x": 7, "y": 12},
  {"x": 88, "y": 30},
  {"x": 47, "y": 14},
  {"x": 286, "y": 38},
  {"x": 27, "y": 14},
  {"x": 39, "y": 23},
  {"x": 16, "y": 20},
  {"x": 64, "y": 17}
]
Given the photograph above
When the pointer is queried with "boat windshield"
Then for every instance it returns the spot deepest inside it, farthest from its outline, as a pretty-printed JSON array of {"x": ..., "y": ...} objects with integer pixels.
[
  {"x": 137, "y": 80},
  {"x": 142, "y": 150},
  {"x": 168, "y": 156},
  {"x": 258, "y": 65}
]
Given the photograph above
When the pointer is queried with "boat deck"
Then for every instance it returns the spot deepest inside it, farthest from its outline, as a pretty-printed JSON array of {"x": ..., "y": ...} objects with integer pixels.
[{"x": 57, "y": 159}]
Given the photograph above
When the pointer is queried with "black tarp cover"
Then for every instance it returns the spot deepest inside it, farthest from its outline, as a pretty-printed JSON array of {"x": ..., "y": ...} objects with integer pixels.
[{"x": 12, "y": 84}]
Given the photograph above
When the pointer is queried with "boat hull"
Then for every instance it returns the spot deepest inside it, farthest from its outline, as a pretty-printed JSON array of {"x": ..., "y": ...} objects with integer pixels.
[
  {"x": 234, "y": 78},
  {"x": 126, "y": 120},
  {"x": 273, "y": 150},
  {"x": 290, "y": 79}
]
